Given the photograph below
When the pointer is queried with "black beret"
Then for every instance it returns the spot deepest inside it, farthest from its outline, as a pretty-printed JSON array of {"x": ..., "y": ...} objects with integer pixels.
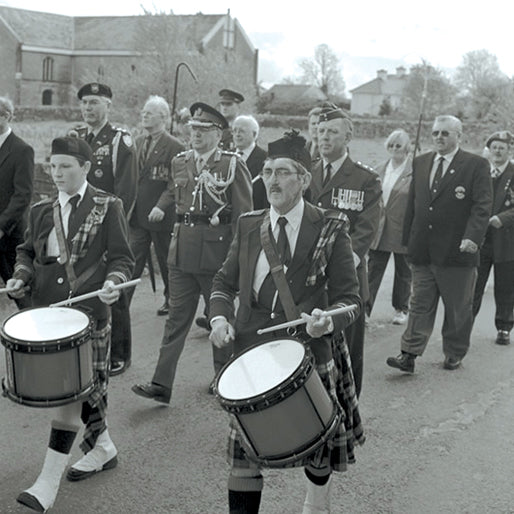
[
  {"x": 94, "y": 89},
  {"x": 333, "y": 114},
  {"x": 291, "y": 146},
  {"x": 204, "y": 115},
  {"x": 227, "y": 95},
  {"x": 503, "y": 136},
  {"x": 73, "y": 146}
]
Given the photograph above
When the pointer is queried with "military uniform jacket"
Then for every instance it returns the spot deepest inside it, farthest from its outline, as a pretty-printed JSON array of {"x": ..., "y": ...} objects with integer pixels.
[
  {"x": 337, "y": 285},
  {"x": 114, "y": 166},
  {"x": 202, "y": 247},
  {"x": 503, "y": 207},
  {"x": 108, "y": 253},
  {"x": 436, "y": 224},
  {"x": 153, "y": 179},
  {"x": 255, "y": 163},
  {"x": 355, "y": 190}
]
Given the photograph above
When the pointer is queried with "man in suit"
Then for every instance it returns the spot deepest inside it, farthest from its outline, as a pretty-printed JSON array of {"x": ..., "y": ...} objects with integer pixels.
[
  {"x": 312, "y": 144},
  {"x": 229, "y": 106},
  {"x": 114, "y": 169},
  {"x": 498, "y": 247},
  {"x": 355, "y": 189},
  {"x": 16, "y": 183},
  {"x": 149, "y": 224},
  {"x": 447, "y": 215},
  {"x": 295, "y": 227},
  {"x": 245, "y": 132},
  {"x": 211, "y": 189}
]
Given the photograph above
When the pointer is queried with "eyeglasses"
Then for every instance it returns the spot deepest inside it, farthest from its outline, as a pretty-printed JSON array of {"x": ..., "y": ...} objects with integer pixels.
[
  {"x": 392, "y": 145},
  {"x": 278, "y": 173},
  {"x": 444, "y": 133}
]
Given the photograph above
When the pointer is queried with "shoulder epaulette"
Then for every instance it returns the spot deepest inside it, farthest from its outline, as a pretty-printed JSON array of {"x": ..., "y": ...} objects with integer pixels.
[
  {"x": 364, "y": 166},
  {"x": 258, "y": 212}
]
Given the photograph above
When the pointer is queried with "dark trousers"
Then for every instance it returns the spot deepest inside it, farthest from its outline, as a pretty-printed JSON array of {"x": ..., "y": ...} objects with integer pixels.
[
  {"x": 377, "y": 264},
  {"x": 503, "y": 288},
  {"x": 455, "y": 285},
  {"x": 354, "y": 335},
  {"x": 140, "y": 241},
  {"x": 185, "y": 290},
  {"x": 121, "y": 334},
  {"x": 7, "y": 260}
]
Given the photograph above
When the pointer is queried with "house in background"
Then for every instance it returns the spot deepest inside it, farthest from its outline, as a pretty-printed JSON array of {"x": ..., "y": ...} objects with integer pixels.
[
  {"x": 291, "y": 98},
  {"x": 46, "y": 57},
  {"x": 384, "y": 89}
]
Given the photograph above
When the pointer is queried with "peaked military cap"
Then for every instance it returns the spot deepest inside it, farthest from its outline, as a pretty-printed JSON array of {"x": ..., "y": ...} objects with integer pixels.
[
  {"x": 94, "y": 89},
  {"x": 333, "y": 114},
  {"x": 292, "y": 146},
  {"x": 74, "y": 146},
  {"x": 503, "y": 136},
  {"x": 204, "y": 115},
  {"x": 227, "y": 95}
]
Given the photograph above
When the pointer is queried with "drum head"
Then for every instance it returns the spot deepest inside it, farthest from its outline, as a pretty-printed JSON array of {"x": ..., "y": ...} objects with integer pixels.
[
  {"x": 45, "y": 324},
  {"x": 260, "y": 369}
]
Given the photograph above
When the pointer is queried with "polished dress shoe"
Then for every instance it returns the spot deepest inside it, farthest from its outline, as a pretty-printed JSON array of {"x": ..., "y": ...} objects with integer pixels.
[
  {"x": 503, "y": 337},
  {"x": 153, "y": 391},
  {"x": 118, "y": 367},
  {"x": 203, "y": 322},
  {"x": 451, "y": 363},
  {"x": 163, "y": 310},
  {"x": 404, "y": 362}
]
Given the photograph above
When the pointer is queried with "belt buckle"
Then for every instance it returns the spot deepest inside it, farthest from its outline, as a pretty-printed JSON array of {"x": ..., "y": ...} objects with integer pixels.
[{"x": 186, "y": 218}]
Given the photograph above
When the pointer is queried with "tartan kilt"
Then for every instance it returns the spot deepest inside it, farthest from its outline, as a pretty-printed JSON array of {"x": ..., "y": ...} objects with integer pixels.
[{"x": 337, "y": 452}]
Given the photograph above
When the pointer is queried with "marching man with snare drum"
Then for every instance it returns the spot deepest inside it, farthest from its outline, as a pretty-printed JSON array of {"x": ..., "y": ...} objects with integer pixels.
[
  {"x": 311, "y": 271},
  {"x": 75, "y": 245}
]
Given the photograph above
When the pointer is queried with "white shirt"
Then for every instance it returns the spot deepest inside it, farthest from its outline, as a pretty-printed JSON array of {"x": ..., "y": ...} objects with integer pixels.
[
  {"x": 501, "y": 168},
  {"x": 52, "y": 247},
  {"x": 4, "y": 136},
  {"x": 334, "y": 164},
  {"x": 391, "y": 175},
  {"x": 245, "y": 153},
  {"x": 448, "y": 158},
  {"x": 203, "y": 157}
]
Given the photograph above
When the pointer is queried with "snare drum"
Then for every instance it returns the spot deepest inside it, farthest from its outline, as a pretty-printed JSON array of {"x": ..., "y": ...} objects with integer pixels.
[
  {"x": 282, "y": 408},
  {"x": 49, "y": 356}
]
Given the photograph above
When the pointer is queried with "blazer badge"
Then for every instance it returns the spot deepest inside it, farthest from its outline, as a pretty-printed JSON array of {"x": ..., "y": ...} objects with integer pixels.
[{"x": 460, "y": 192}]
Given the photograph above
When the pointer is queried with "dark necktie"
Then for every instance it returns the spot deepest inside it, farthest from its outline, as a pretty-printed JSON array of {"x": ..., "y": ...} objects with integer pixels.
[
  {"x": 73, "y": 201},
  {"x": 89, "y": 138},
  {"x": 328, "y": 173},
  {"x": 438, "y": 175},
  {"x": 143, "y": 157},
  {"x": 284, "y": 251},
  {"x": 495, "y": 173}
]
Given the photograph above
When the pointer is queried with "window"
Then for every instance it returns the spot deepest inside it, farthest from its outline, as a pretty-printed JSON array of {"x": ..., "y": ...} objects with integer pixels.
[
  {"x": 229, "y": 33},
  {"x": 47, "y": 97},
  {"x": 48, "y": 69}
]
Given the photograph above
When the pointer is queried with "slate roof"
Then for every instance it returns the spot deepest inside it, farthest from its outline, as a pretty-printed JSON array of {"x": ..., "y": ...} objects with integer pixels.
[{"x": 393, "y": 85}]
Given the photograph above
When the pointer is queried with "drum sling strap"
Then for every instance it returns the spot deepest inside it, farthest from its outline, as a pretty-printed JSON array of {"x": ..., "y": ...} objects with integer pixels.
[
  {"x": 277, "y": 271},
  {"x": 64, "y": 258}
]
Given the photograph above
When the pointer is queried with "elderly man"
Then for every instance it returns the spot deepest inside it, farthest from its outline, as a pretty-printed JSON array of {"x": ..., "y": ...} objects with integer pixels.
[
  {"x": 353, "y": 188},
  {"x": 498, "y": 247},
  {"x": 211, "y": 188},
  {"x": 312, "y": 144},
  {"x": 447, "y": 215},
  {"x": 295, "y": 231},
  {"x": 114, "y": 169},
  {"x": 229, "y": 106},
  {"x": 150, "y": 224},
  {"x": 245, "y": 132},
  {"x": 16, "y": 182}
]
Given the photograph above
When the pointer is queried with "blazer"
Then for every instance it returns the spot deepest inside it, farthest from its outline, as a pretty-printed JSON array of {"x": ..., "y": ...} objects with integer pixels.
[
  {"x": 390, "y": 228},
  {"x": 503, "y": 207},
  {"x": 153, "y": 179},
  {"x": 436, "y": 224},
  {"x": 255, "y": 162},
  {"x": 16, "y": 184}
]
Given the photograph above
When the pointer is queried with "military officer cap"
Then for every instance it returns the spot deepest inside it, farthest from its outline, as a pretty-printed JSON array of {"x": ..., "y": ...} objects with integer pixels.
[
  {"x": 503, "y": 136},
  {"x": 73, "y": 146},
  {"x": 229, "y": 96},
  {"x": 333, "y": 114},
  {"x": 204, "y": 115},
  {"x": 291, "y": 146},
  {"x": 94, "y": 89}
]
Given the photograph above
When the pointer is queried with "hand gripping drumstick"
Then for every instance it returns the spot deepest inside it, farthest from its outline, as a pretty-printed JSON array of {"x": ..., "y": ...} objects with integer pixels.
[
  {"x": 92, "y": 294},
  {"x": 300, "y": 321}
]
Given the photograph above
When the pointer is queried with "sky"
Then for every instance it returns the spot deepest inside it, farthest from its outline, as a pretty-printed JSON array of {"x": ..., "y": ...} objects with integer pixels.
[{"x": 365, "y": 35}]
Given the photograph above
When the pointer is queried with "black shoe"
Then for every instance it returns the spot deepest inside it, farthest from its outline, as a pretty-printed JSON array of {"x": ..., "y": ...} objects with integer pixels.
[
  {"x": 404, "y": 362},
  {"x": 74, "y": 475},
  {"x": 155, "y": 392},
  {"x": 503, "y": 337},
  {"x": 163, "y": 310},
  {"x": 118, "y": 367},
  {"x": 203, "y": 322},
  {"x": 451, "y": 363},
  {"x": 30, "y": 501}
]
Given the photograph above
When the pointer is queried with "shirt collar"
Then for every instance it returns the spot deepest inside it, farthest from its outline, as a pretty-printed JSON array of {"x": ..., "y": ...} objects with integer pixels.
[
  {"x": 247, "y": 151},
  {"x": 501, "y": 168},
  {"x": 5, "y": 135},
  {"x": 96, "y": 132},
  {"x": 448, "y": 157},
  {"x": 294, "y": 216},
  {"x": 65, "y": 197},
  {"x": 205, "y": 156},
  {"x": 335, "y": 164}
]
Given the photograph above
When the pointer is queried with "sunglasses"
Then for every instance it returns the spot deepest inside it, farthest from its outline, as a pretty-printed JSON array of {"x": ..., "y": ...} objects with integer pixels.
[
  {"x": 444, "y": 133},
  {"x": 393, "y": 145}
]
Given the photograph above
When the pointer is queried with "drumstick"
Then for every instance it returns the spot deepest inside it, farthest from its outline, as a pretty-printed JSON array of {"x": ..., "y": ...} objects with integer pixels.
[
  {"x": 92, "y": 294},
  {"x": 300, "y": 321}
]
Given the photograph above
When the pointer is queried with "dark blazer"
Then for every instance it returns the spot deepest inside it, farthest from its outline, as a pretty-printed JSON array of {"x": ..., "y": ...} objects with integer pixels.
[
  {"x": 503, "y": 207},
  {"x": 390, "y": 229},
  {"x": 339, "y": 284},
  {"x": 153, "y": 179},
  {"x": 435, "y": 226},
  {"x": 254, "y": 164},
  {"x": 16, "y": 183}
]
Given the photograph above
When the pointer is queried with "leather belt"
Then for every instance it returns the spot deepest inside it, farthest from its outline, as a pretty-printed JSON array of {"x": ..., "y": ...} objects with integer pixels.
[{"x": 200, "y": 219}]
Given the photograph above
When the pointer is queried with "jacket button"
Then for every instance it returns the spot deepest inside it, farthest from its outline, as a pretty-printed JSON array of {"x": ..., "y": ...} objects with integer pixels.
[
  {"x": 430, "y": 227},
  {"x": 430, "y": 208},
  {"x": 60, "y": 280},
  {"x": 319, "y": 204}
]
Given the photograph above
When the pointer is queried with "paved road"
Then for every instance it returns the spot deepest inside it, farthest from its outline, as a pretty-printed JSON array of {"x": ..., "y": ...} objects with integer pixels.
[{"x": 437, "y": 441}]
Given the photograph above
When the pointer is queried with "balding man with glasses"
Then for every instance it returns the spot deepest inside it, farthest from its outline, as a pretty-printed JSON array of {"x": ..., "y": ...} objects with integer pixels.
[{"x": 450, "y": 201}]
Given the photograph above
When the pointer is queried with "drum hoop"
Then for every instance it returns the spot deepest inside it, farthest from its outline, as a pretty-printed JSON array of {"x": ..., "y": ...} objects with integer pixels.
[{"x": 273, "y": 396}]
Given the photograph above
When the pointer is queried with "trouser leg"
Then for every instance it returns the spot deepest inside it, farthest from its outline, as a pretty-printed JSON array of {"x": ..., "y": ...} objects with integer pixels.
[
  {"x": 140, "y": 245},
  {"x": 354, "y": 335},
  {"x": 402, "y": 283},
  {"x": 377, "y": 264},
  {"x": 161, "y": 242},
  {"x": 121, "y": 335},
  {"x": 504, "y": 295},
  {"x": 483, "y": 271}
]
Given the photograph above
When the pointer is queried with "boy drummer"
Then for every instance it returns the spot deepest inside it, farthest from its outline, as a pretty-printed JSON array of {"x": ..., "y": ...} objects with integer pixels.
[{"x": 75, "y": 244}]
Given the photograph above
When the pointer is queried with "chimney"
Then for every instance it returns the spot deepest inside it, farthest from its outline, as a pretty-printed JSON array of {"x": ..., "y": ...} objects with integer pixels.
[
  {"x": 400, "y": 71},
  {"x": 382, "y": 74}
]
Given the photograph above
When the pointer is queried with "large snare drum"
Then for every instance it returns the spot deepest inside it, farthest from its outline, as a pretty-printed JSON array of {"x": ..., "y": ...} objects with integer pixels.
[
  {"x": 280, "y": 404},
  {"x": 49, "y": 356}
]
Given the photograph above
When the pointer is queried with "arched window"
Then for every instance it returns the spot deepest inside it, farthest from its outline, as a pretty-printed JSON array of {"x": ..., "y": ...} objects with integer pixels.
[
  {"x": 48, "y": 69},
  {"x": 47, "y": 97}
]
